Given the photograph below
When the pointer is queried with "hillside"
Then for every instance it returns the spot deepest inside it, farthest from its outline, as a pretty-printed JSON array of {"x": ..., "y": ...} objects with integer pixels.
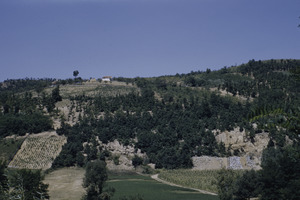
[{"x": 169, "y": 120}]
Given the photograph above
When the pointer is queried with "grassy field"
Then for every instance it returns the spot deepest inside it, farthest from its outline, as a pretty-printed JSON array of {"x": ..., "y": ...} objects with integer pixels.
[
  {"x": 203, "y": 180},
  {"x": 149, "y": 189},
  {"x": 65, "y": 184}
]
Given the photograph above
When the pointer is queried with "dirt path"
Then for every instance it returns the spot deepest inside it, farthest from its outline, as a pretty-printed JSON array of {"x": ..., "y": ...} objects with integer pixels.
[{"x": 155, "y": 177}]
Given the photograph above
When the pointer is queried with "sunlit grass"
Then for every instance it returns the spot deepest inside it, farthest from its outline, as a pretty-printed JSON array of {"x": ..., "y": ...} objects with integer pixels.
[{"x": 203, "y": 180}]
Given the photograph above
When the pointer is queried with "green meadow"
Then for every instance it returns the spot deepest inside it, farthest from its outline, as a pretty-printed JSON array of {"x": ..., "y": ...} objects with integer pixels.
[{"x": 149, "y": 189}]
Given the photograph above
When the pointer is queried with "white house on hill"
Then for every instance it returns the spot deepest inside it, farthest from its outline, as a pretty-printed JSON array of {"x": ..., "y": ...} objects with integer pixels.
[{"x": 106, "y": 78}]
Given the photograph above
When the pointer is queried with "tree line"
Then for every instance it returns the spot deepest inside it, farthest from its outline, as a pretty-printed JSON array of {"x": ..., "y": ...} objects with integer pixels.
[{"x": 22, "y": 184}]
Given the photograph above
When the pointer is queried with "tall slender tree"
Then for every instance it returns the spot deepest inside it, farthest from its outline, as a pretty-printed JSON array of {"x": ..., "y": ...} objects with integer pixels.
[
  {"x": 94, "y": 180},
  {"x": 3, "y": 182}
]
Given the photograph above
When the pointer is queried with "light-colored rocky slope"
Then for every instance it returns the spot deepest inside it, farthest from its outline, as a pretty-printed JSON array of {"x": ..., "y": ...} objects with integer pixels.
[
  {"x": 249, "y": 152},
  {"x": 125, "y": 153}
]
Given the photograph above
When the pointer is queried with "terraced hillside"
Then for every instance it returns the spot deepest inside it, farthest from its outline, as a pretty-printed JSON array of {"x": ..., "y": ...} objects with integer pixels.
[{"x": 38, "y": 151}]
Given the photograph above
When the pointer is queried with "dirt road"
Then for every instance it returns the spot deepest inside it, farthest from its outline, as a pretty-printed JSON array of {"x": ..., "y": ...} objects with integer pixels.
[{"x": 155, "y": 177}]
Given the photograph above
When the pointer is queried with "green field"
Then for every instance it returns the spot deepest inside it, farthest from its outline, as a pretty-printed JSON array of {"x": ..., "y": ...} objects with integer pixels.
[
  {"x": 203, "y": 180},
  {"x": 149, "y": 189},
  {"x": 198, "y": 179}
]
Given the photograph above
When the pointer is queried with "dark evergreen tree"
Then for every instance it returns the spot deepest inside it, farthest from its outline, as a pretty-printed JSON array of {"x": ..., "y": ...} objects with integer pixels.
[
  {"x": 55, "y": 94},
  {"x": 280, "y": 175},
  {"x": 75, "y": 73},
  {"x": 136, "y": 161},
  {"x": 247, "y": 186},
  {"x": 3, "y": 181},
  {"x": 27, "y": 184},
  {"x": 226, "y": 184},
  {"x": 94, "y": 180}
]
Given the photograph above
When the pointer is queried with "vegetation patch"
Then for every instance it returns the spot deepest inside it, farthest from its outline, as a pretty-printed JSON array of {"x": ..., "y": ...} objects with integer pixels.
[
  {"x": 203, "y": 180},
  {"x": 38, "y": 151},
  {"x": 95, "y": 88}
]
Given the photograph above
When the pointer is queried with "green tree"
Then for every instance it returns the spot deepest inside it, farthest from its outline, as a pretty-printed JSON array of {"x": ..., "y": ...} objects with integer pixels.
[
  {"x": 55, "y": 94},
  {"x": 280, "y": 175},
  {"x": 136, "y": 161},
  {"x": 225, "y": 184},
  {"x": 80, "y": 159},
  {"x": 94, "y": 180},
  {"x": 75, "y": 73},
  {"x": 27, "y": 185},
  {"x": 247, "y": 186},
  {"x": 3, "y": 181}
]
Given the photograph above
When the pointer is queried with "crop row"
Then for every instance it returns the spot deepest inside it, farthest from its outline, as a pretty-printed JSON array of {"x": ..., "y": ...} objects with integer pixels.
[
  {"x": 204, "y": 179},
  {"x": 198, "y": 179},
  {"x": 38, "y": 152}
]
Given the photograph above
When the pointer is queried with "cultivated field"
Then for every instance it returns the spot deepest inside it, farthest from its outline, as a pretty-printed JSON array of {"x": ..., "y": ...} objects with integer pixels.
[
  {"x": 38, "y": 151},
  {"x": 198, "y": 179},
  {"x": 65, "y": 184},
  {"x": 95, "y": 88},
  {"x": 203, "y": 180},
  {"x": 149, "y": 189}
]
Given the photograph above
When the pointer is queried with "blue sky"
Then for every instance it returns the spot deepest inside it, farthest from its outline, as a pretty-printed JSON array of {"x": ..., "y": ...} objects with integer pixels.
[{"x": 130, "y": 38}]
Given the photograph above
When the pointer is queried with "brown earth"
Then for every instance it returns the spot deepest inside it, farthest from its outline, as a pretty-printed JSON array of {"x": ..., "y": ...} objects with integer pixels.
[{"x": 65, "y": 184}]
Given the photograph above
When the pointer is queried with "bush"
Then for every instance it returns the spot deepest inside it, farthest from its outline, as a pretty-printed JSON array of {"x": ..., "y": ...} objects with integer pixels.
[
  {"x": 116, "y": 159},
  {"x": 136, "y": 161}
]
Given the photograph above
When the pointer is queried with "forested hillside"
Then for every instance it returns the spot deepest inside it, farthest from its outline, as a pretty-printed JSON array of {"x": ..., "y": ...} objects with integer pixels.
[{"x": 170, "y": 118}]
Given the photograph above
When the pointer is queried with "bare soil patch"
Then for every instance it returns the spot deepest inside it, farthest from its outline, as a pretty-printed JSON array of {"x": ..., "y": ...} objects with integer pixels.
[{"x": 65, "y": 184}]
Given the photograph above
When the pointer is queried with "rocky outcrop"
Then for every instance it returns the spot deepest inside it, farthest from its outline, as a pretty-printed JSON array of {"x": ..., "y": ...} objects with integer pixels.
[
  {"x": 125, "y": 164},
  {"x": 250, "y": 152},
  {"x": 125, "y": 153},
  {"x": 233, "y": 162},
  {"x": 117, "y": 148},
  {"x": 207, "y": 162},
  {"x": 239, "y": 141}
]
